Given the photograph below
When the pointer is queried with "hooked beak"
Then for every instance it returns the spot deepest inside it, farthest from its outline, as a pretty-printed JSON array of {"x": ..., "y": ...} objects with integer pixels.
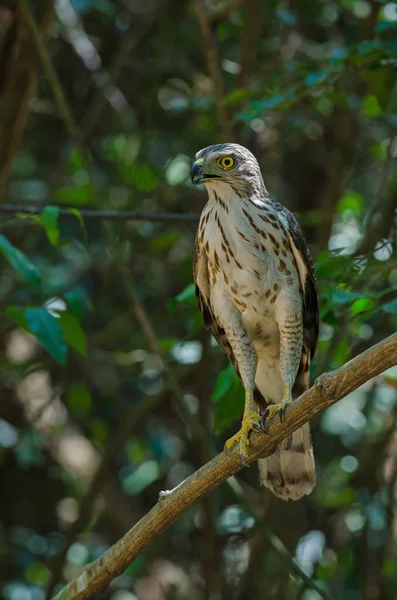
[{"x": 198, "y": 176}]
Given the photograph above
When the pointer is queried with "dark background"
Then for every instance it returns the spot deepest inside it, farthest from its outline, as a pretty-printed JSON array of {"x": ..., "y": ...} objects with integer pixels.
[{"x": 109, "y": 117}]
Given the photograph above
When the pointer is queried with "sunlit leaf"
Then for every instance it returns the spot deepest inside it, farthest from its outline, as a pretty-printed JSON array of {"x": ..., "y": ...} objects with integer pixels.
[
  {"x": 370, "y": 106},
  {"x": 20, "y": 262},
  {"x": 362, "y": 305},
  {"x": 37, "y": 573},
  {"x": 351, "y": 200}
]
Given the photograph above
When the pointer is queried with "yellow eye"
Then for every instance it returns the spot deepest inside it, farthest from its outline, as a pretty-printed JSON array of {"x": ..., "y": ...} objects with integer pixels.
[{"x": 226, "y": 162}]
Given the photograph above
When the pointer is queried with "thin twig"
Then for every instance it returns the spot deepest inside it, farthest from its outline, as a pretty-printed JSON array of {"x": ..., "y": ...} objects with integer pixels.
[
  {"x": 327, "y": 390},
  {"x": 55, "y": 83},
  {"x": 20, "y": 83},
  {"x": 111, "y": 215},
  {"x": 214, "y": 68}
]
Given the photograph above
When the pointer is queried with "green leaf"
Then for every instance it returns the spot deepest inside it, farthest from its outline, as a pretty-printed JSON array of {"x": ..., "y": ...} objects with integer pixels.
[
  {"x": 78, "y": 302},
  {"x": 49, "y": 220},
  {"x": 228, "y": 396},
  {"x": 370, "y": 106},
  {"x": 362, "y": 305},
  {"x": 187, "y": 294},
  {"x": 223, "y": 383},
  {"x": 351, "y": 200},
  {"x": 48, "y": 331},
  {"x": 341, "y": 296},
  {"x": 390, "y": 307},
  {"x": 37, "y": 573},
  {"x": 19, "y": 261},
  {"x": 73, "y": 332}
]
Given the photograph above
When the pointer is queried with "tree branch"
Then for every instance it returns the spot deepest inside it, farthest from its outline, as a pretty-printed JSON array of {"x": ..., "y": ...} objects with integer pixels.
[
  {"x": 327, "y": 390},
  {"x": 113, "y": 215}
]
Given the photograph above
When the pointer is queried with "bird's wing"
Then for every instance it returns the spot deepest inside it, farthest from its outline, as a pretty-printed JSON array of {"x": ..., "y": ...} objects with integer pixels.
[
  {"x": 307, "y": 278},
  {"x": 202, "y": 287}
]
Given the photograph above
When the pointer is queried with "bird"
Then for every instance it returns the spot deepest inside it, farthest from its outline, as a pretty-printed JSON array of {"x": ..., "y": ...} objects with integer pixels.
[{"x": 257, "y": 292}]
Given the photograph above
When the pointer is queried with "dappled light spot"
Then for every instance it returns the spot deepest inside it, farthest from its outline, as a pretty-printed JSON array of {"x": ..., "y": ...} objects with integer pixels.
[
  {"x": 20, "y": 346},
  {"x": 67, "y": 510},
  {"x": 8, "y": 434},
  {"x": 309, "y": 550},
  {"x": 188, "y": 353}
]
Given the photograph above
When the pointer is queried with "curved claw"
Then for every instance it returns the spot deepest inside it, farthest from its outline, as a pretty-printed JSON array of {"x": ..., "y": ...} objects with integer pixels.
[
  {"x": 243, "y": 461},
  {"x": 271, "y": 411},
  {"x": 257, "y": 427}
]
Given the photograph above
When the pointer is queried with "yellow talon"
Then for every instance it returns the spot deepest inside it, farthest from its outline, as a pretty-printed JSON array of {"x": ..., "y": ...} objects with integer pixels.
[{"x": 251, "y": 421}]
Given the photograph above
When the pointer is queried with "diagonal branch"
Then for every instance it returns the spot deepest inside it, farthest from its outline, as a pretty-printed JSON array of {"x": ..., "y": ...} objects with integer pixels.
[{"x": 327, "y": 390}]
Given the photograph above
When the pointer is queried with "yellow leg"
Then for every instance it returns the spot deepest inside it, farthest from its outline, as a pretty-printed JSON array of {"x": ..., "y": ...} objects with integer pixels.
[
  {"x": 273, "y": 409},
  {"x": 251, "y": 420}
]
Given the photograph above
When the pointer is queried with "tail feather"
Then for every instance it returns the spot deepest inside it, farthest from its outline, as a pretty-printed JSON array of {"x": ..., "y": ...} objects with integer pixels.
[{"x": 289, "y": 474}]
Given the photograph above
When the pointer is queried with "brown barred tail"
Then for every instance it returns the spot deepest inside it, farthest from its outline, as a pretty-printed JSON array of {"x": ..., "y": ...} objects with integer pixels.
[{"x": 290, "y": 474}]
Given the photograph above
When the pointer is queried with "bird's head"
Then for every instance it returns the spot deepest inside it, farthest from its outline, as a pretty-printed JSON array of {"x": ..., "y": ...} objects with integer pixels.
[{"x": 227, "y": 169}]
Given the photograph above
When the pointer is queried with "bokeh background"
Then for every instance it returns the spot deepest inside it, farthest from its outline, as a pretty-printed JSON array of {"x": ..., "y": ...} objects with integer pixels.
[{"x": 107, "y": 378}]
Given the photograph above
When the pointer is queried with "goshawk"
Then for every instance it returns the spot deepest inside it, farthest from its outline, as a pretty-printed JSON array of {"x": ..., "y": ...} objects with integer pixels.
[{"x": 257, "y": 291}]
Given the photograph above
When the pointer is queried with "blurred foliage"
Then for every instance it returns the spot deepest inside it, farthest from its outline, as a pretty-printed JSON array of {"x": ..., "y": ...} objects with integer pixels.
[{"x": 310, "y": 88}]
